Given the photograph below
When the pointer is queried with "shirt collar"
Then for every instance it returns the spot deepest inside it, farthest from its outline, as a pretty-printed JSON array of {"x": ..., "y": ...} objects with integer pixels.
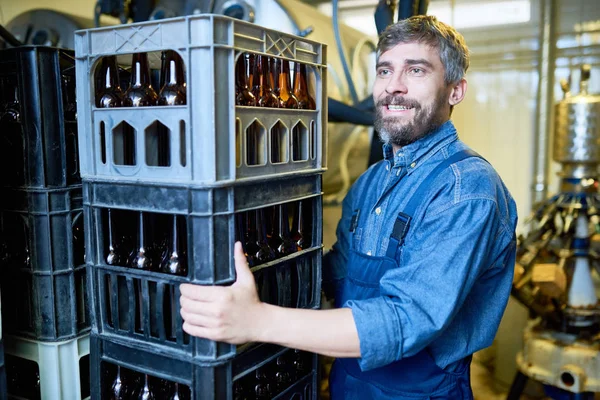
[{"x": 417, "y": 152}]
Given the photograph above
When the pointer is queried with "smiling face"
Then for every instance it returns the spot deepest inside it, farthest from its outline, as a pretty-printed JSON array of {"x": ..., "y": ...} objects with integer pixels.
[{"x": 410, "y": 94}]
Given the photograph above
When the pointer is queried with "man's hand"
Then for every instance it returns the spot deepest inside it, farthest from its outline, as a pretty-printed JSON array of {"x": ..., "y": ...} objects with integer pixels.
[
  {"x": 224, "y": 313},
  {"x": 234, "y": 314}
]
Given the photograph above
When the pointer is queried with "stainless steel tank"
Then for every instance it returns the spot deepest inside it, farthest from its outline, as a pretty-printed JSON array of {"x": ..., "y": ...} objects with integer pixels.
[{"x": 577, "y": 131}]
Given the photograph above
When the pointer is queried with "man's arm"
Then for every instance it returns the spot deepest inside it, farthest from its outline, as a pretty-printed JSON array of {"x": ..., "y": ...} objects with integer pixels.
[{"x": 234, "y": 314}]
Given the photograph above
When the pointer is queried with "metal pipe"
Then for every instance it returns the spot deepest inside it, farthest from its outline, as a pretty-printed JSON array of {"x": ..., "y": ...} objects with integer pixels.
[{"x": 545, "y": 99}]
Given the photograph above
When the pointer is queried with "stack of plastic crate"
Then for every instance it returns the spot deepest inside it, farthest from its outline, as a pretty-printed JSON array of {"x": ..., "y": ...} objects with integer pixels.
[
  {"x": 42, "y": 272},
  {"x": 196, "y": 202}
]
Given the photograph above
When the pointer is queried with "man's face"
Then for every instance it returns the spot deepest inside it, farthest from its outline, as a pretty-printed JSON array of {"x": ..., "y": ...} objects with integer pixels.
[{"x": 411, "y": 97}]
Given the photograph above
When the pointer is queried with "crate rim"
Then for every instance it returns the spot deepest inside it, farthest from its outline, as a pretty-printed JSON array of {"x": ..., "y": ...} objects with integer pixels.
[{"x": 209, "y": 16}]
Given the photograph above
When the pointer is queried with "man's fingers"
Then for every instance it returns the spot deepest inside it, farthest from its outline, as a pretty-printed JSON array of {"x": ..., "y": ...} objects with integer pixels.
[
  {"x": 198, "y": 331},
  {"x": 194, "y": 318},
  {"x": 202, "y": 293},
  {"x": 242, "y": 270}
]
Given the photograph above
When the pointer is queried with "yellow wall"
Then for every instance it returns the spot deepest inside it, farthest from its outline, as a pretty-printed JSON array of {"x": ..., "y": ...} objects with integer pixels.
[{"x": 80, "y": 8}]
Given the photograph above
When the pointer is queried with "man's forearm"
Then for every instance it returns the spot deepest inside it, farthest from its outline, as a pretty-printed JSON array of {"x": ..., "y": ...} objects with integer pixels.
[{"x": 329, "y": 332}]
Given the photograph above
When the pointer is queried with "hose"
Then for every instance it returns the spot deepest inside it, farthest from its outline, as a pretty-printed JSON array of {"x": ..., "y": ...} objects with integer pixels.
[{"x": 338, "y": 41}]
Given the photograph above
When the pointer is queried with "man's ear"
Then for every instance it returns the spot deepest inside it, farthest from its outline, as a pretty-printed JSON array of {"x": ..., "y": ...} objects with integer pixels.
[{"x": 458, "y": 92}]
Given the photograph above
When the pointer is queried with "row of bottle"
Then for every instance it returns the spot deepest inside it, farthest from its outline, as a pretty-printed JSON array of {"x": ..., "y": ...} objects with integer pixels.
[
  {"x": 266, "y": 234},
  {"x": 158, "y": 242},
  {"x": 126, "y": 384},
  {"x": 141, "y": 93},
  {"x": 274, "y": 377},
  {"x": 266, "y": 82},
  {"x": 147, "y": 241}
]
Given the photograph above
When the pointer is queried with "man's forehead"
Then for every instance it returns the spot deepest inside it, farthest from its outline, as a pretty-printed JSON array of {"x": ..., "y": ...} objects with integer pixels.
[{"x": 403, "y": 51}]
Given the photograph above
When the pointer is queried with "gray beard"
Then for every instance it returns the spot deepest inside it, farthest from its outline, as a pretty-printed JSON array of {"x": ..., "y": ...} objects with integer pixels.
[{"x": 426, "y": 121}]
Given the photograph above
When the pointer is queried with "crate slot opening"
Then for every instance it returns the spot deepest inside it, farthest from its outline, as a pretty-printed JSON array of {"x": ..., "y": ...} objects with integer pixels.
[
  {"x": 157, "y": 139},
  {"x": 124, "y": 148},
  {"x": 256, "y": 143},
  {"x": 300, "y": 142},
  {"x": 279, "y": 143}
]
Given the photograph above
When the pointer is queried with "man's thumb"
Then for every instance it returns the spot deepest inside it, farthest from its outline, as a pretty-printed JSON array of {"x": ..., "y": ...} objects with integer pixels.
[{"x": 242, "y": 270}]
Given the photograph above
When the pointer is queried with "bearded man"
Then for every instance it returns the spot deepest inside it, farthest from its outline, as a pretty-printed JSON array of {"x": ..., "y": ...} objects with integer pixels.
[{"x": 422, "y": 268}]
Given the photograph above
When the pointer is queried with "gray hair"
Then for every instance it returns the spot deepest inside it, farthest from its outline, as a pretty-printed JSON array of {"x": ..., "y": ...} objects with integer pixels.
[{"x": 450, "y": 44}]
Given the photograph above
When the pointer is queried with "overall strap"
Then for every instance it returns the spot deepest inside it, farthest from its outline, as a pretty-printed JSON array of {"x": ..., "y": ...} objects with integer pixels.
[{"x": 402, "y": 223}]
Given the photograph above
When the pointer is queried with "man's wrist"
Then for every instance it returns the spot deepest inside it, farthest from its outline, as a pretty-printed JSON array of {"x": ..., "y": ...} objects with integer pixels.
[{"x": 263, "y": 322}]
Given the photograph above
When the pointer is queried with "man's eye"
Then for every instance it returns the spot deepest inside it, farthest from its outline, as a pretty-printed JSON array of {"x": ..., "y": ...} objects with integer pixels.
[
  {"x": 417, "y": 71},
  {"x": 384, "y": 72}
]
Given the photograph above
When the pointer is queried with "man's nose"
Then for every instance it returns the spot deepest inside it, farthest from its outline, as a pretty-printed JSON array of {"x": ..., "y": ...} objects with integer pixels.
[{"x": 396, "y": 85}]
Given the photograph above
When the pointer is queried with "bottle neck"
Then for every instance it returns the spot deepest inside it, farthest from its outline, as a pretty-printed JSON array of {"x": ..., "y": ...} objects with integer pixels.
[
  {"x": 260, "y": 226},
  {"x": 140, "y": 70},
  {"x": 111, "y": 77},
  {"x": 267, "y": 77},
  {"x": 300, "y": 86},
  {"x": 284, "y": 231},
  {"x": 242, "y": 72}
]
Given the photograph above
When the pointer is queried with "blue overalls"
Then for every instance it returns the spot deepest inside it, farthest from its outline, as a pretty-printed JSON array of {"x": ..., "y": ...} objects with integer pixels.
[{"x": 411, "y": 378}]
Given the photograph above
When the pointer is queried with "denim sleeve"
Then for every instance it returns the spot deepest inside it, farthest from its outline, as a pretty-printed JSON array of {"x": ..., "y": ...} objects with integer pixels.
[
  {"x": 439, "y": 264},
  {"x": 334, "y": 262}
]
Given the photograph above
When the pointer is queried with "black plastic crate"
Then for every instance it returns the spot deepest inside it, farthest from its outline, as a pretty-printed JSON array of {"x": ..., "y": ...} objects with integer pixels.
[
  {"x": 206, "y": 221},
  {"x": 276, "y": 372},
  {"x": 38, "y": 118},
  {"x": 42, "y": 263},
  {"x": 143, "y": 308}
]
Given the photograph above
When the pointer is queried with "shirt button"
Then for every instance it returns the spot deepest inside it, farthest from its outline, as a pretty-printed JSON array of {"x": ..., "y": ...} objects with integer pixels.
[
  {"x": 413, "y": 165},
  {"x": 369, "y": 252},
  {"x": 378, "y": 210}
]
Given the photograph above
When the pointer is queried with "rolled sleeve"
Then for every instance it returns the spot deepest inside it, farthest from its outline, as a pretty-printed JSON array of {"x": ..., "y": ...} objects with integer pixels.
[{"x": 378, "y": 328}]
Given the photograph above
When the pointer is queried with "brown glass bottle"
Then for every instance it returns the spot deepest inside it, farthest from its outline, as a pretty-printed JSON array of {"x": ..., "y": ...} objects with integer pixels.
[
  {"x": 282, "y": 376},
  {"x": 172, "y": 89},
  {"x": 109, "y": 94},
  {"x": 119, "y": 389},
  {"x": 286, "y": 244},
  {"x": 142, "y": 259},
  {"x": 174, "y": 264},
  {"x": 243, "y": 73},
  {"x": 298, "y": 227},
  {"x": 305, "y": 101},
  {"x": 250, "y": 238},
  {"x": 262, "y": 389},
  {"x": 140, "y": 92},
  {"x": 255, "y": 76},
  {"x": 265, "y": 253},
  {"x": 178, "y": 393},
  {"x": 284, "y": 92},
  {"x": 267, "y": 97},
  {"x": 301, "y": 367},
  {"x": 146, "y": 392}
]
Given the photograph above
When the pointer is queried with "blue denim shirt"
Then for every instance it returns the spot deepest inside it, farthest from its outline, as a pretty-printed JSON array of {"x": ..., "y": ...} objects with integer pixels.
[{"x": 455, "y": 270}]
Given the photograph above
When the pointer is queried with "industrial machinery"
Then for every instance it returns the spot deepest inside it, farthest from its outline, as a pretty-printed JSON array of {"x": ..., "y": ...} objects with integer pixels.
[{"x": 558, "y": 262}]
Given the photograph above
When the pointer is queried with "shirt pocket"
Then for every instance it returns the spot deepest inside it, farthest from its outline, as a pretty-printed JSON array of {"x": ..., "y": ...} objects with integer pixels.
[{"x": 356, "y": 237}]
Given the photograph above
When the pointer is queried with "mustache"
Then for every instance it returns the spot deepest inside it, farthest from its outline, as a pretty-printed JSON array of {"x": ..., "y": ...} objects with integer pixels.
[{"x": 397, "y": 101}]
